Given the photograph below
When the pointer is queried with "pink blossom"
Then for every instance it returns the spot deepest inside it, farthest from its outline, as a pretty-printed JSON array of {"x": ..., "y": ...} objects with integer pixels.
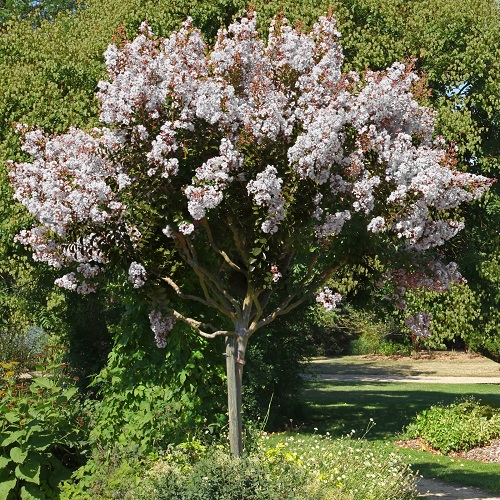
[
  {"x": 419, "y": 324},
  {"x": 328, "y": 299},
  {"x": 276, "y": 274},
  {"x": 161, "y": 326}
]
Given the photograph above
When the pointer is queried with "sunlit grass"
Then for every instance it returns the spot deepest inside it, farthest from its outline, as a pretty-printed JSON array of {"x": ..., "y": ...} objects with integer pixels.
[{"x": 338, "y": 408}]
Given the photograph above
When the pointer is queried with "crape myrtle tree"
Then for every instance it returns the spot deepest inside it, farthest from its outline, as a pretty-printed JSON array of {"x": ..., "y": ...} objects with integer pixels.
[{"x": 233, "y": 181}]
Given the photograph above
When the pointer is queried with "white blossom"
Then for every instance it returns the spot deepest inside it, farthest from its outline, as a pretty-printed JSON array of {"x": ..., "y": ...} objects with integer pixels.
[
  {"x": 266, "y": 190},
  {"x": 161, "y": 327},
  {"x": 137, "y": 275},
  {"x": 282, "y": 124},
  {"x": 328, "y": 299},
  {"x": 186, "y": 228}
]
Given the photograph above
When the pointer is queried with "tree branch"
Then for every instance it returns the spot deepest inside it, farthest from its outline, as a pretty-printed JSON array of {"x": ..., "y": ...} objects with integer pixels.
[
  {"x": 198, "y": 325},
  {"x": 287, "y": 305},
  {"x": 213, "y": 282},
  {"x": 223, "y": 254},
  {"x": 188, "y": 252},
  {"x": 279, "y": 311},
  {"x": 183, "y": 295}
]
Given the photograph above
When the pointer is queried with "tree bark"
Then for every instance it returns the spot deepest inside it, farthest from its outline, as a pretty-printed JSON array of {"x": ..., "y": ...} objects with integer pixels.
[{"x": 235, "y": 359}]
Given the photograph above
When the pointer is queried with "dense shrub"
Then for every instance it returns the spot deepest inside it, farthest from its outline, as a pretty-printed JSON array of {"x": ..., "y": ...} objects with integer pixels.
[
  {"x": 295, "y": 468},
  {"x": 42, "y": 436},
  {"x": 319, "y": 468},
  {"x": 373, "y": 335},
  {"x": 274, "y": 365},
  {"x": 461, "y": 425}
]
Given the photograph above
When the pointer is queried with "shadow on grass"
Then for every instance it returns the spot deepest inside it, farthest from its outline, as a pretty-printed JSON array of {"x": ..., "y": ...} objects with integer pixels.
[
  {"x": 369, "y": 368},
  {"x": 339, "y": 407}
]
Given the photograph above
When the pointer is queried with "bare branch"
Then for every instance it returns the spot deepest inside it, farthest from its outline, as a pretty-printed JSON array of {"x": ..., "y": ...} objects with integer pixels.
[
  {"x": 287, "y": 305},
  {"x": 211, "y": 280},
  {"x": 237, "y": 239},
  {"x": 279, "y": 311},
  {"x": 198, "y": 325},
  {"x": 185, "y": 296},
  {"x": 188, "y": 253}
]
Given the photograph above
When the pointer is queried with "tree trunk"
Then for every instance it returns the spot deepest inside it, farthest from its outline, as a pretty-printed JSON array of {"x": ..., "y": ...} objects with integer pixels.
[{"x": 235, "y": 359}]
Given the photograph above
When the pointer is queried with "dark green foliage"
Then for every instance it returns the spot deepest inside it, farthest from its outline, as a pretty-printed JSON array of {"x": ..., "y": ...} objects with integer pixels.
[
  {"x": 461, "y": 425},
  {"x": 42, "y": 436},
  {"x": 87, "y": 333},
  {"x": 272, "y": 377}
]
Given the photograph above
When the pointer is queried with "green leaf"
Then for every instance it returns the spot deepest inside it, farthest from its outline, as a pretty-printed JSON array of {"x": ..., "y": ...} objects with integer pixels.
[
  {"x": 44, "y": 382},
  {"x": 12, "y": 417},
  {"x": 6, "y": 486},
  {"x": 29, "y": 471},
  {"x": 3, "y": 462},
  {"x": 32, "y": 492},
  {"x": 256, "y": 251},
  {"x": 18, "y": 455},
  {"x": 69, "y": 393},
  {"x": 41, "y": 441},
  {"x": 12, "y": 438}
]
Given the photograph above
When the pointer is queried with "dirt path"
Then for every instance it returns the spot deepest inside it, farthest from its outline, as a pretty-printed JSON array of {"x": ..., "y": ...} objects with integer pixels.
[{"x": 432, "y": 488}]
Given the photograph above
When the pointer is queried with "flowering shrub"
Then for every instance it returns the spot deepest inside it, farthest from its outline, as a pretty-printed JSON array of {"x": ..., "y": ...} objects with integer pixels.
[
  {"x": 41, "y": 438},
  {"x": 241, "y": 177},
  {"x": 348, "y": 466}
]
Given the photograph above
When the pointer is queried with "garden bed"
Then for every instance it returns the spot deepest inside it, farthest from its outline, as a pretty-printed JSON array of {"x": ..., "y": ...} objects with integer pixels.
[{"x": 488, "y": 454}]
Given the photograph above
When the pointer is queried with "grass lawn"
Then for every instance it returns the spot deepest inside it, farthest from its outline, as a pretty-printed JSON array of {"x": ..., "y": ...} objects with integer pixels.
[
  {"x": 441, "y": 364},
  {"x": 340, "y": 407}
]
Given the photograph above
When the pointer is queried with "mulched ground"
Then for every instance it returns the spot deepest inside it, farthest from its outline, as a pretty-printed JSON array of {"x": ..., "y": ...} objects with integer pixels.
[{"x": 489, "y": 453}]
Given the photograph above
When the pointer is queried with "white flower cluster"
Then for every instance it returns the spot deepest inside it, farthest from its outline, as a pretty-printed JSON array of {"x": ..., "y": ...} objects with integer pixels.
[
  {"x": 66, "y": 182},
  {"x": 328, "y": 299},
  {"x": 333, "y": 224},
  {"x": 137, "y": 275},
  {"x": 161, "y": 327},
  {"x": 70, "y": 282},
  {"x": 211, "y": 179},
  {"x": 276, "y": 273},
  {"x": 291, "y": 128},
  {"x": 266, "y": 190}
]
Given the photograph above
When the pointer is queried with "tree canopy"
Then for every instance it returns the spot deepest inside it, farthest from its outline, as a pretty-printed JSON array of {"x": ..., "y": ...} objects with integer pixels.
[{"x": 241, "y": 178}]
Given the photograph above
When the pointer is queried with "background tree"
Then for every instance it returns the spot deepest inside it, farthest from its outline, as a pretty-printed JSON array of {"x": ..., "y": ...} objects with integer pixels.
[
  {"x": 241, "y": 180},
  {"x": 36, "y": 11}
]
